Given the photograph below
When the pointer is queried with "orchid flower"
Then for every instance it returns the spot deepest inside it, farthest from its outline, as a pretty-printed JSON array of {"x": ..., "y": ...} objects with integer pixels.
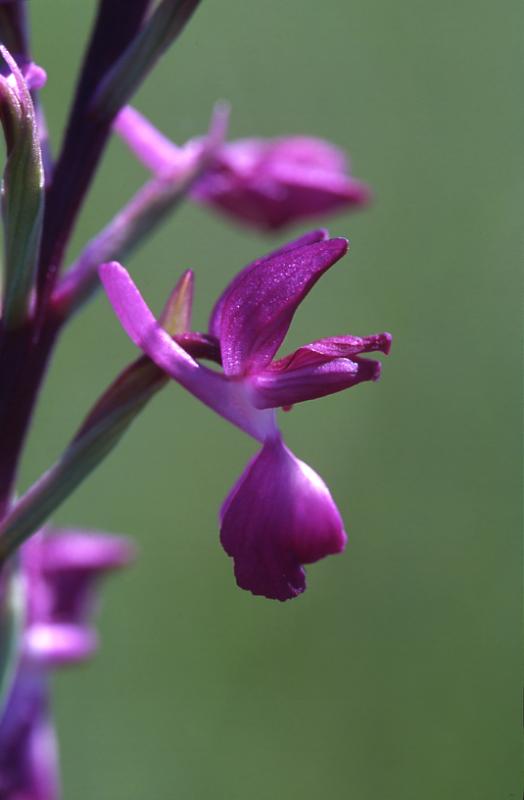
[
  {"x": 62, "y": 569},
  {"x": 266, "y": 183},
  {"x": 59, "y": 572},
  {"x": 280, "y": 514}
]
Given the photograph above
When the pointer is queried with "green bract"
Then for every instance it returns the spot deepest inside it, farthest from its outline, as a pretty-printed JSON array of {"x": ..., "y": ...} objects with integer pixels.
[{"x": 22, "y": 193}]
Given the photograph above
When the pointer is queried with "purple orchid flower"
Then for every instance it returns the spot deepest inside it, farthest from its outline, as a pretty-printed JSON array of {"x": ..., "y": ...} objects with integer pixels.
[
  {"x": 63, "y": 569},
  {"x": 266, "y": 183},
  {"x": 280, "y": 514},
  {"x": 60, "y": 571}
]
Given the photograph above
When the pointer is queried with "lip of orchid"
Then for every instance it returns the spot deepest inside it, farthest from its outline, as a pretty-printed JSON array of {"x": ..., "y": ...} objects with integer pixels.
[{"x": 279, "y": 516}]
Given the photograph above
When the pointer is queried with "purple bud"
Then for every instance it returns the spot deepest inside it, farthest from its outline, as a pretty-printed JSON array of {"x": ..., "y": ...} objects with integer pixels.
[
  {"x": 277, "y": 182},
  {"x": 264, "y": 183}
]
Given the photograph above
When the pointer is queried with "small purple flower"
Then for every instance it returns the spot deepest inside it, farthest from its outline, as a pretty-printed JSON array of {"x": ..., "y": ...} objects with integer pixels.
[
  {"x": 63, "y": 569},
  {"x": 60, "y": 570},
  {"x": 267, "y": 183},
  {"x": 280, "y": 514}
]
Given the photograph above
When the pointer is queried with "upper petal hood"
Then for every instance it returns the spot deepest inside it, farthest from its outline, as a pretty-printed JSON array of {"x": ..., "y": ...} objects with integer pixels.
[
  {"x": 317, "y": 235},
  {"x": 257, "y": 309},
  {"x": 279, "y": 516}
]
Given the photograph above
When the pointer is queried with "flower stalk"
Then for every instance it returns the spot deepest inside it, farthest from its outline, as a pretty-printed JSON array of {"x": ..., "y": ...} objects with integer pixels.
[{"x": 280, "y": 515}]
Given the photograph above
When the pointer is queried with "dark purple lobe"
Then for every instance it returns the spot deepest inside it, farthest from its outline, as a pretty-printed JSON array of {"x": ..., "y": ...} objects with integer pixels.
[
  {"x": 258, "y": 308},
  {"x": 279, "y": 516}
]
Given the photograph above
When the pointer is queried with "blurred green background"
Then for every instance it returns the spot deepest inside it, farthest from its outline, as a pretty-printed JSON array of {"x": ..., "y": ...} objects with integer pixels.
[{"x": 396, "y": 675}]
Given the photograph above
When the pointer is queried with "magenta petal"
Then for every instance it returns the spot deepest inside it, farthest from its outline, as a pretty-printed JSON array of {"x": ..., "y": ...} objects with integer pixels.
[
  {"x": 318, "y": 369},
  {"x": 279, "y": 516},
  {"x": 258, "y": 309},
  {"x": 317, "y": 235},
  {"x": 142, "y": 327},
  {"x": 274, "y": 388},
  {"x": 333, "y": 347}
]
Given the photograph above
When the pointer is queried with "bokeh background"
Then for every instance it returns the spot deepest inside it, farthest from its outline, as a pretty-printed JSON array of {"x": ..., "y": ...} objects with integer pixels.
[{"x": 395, "y": 675}]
